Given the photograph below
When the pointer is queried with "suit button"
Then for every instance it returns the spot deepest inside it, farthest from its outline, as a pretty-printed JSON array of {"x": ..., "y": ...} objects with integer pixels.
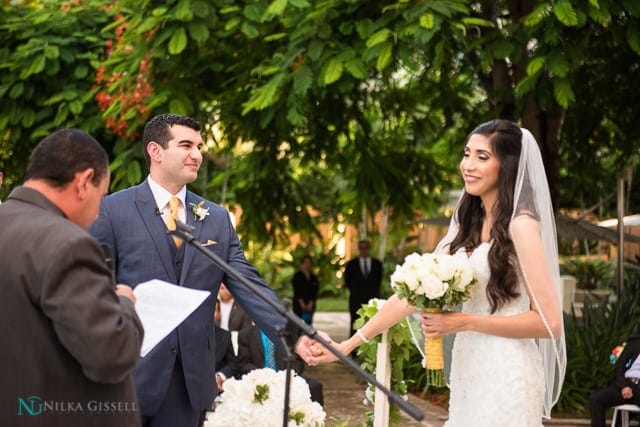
[{"x": 173, "y": 349}]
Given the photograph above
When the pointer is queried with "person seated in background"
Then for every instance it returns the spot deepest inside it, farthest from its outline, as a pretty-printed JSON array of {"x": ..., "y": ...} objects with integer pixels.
[
  {"x": 226, "y": 360},
  {"x": 256, "y": 351},
  {"x": 625, "y": 387},
  {"x": 232, "y": 316}
]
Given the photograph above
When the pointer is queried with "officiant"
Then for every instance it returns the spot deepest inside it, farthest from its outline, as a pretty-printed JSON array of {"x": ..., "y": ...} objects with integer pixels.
[{"x": 71, "y": 337}]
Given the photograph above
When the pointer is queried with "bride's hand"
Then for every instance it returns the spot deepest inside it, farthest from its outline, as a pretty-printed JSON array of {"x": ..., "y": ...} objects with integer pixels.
[
  {"x": 324, "y": 355},
  {"x": 438, "y": 324}
]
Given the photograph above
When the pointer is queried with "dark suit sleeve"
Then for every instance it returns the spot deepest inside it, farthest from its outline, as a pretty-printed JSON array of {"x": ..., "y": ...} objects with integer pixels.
[
  {"x": 98, "y": 328},
  {"x": 256, "y": 308}
]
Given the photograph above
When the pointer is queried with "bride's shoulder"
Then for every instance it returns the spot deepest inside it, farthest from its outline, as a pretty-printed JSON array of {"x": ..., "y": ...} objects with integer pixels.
[{"x": 524, "y": 224}]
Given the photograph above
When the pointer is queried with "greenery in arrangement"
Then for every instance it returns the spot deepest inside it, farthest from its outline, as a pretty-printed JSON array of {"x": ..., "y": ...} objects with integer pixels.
[
  {"x": 401, "y": 348},
  {"x": 408, "y": 374}
]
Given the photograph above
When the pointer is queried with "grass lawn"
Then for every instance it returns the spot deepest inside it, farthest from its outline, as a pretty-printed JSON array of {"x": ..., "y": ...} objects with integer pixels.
[{"x": 332, "y": 304}]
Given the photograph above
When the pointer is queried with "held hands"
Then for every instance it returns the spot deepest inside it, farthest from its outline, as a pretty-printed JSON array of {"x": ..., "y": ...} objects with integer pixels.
[
  {"x": 315, "y": 353},
  {"x": 310, "y": 349},
  {"x": 328, "y": 356},
  {"x": 626, "y": 392}
]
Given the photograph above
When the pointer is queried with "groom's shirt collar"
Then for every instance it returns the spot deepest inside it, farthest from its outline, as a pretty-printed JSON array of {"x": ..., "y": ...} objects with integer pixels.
[{"x": 162, "y": 196}]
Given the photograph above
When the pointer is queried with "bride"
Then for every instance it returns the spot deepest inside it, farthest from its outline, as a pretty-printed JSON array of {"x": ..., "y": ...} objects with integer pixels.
[{"x": 509, "y": 357}]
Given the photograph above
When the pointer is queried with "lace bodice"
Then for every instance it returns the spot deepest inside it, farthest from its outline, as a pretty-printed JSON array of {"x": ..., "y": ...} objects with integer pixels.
[
  {"x": 494, "y": 381},
  {"x": 479, "y": 303}
]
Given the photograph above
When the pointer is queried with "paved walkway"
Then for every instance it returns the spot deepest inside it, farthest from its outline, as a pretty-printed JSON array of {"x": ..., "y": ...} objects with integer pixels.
[{"x": 344, "y": 391}]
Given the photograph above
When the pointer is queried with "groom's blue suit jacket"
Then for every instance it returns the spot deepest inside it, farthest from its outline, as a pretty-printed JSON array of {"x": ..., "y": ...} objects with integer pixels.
[{"x": 130, "y": 223}]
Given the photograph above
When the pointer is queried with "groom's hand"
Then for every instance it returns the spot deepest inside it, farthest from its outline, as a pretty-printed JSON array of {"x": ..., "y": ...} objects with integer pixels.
[{"x": 309, "y": 349}]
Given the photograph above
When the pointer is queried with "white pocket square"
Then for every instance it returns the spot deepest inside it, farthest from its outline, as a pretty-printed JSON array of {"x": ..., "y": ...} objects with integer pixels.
[{"x": 209, "y": 243}]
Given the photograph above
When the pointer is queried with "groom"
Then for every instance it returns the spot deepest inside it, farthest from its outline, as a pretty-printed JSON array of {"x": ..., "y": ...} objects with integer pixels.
[{"x": 175, "y": 382}]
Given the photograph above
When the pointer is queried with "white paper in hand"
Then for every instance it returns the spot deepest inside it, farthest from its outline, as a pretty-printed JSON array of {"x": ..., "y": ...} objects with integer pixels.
[{"x": 161, "y": 307}]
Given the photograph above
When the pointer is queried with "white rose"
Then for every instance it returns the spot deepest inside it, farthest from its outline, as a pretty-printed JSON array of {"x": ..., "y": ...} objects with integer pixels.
[
  {"x": 410, "y": 278},
  {"x": 445, "y": 267},
  {"x": 432, "y": 287},
  {"x": 465, "y": 271},
  {"x": 426, "y": 264},
  {"x": 412, "y": 261}
]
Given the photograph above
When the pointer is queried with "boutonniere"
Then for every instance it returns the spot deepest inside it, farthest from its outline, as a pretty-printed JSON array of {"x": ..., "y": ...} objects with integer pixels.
[{"x": 199, "y": 211}]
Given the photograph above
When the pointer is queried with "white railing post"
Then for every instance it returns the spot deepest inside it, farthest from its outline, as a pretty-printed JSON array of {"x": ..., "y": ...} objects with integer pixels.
[{"x": 383, "y": 375}]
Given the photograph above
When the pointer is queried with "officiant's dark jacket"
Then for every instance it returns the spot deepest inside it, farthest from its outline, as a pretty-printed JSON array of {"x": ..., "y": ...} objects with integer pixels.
[
  {"x": 129, "y": 222},
  {"x": 68, "y": 342}
]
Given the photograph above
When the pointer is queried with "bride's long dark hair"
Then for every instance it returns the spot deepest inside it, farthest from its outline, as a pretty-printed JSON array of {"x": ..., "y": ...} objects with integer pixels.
[{"x": 506, "y": 142}]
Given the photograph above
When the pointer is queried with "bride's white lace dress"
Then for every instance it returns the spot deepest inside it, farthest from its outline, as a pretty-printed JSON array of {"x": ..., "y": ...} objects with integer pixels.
[{"x": 494, "y": 381}]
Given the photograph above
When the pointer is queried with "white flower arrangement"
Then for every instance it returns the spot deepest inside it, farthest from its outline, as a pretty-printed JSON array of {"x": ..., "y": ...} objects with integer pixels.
[
  {"x": 432, "y": 282},
  {"x": 258, "y": 399},
  {"x": 199, "y": 211}
]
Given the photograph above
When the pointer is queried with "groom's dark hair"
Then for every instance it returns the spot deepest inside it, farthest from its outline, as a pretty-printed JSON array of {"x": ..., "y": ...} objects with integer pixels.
[{"x": 158, "y": 129}]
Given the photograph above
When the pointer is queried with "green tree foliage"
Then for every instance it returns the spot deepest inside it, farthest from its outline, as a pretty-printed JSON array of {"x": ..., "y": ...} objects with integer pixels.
[
  {"x": 337, "y": 88},
  {"x": 355, "y": 86},
  {"x": 344, "y": 106},
  {"x": 48, "y": 57}
]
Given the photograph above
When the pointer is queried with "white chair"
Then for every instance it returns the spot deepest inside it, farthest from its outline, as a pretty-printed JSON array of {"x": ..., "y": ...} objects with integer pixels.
[{"x": 624, "y": 413}]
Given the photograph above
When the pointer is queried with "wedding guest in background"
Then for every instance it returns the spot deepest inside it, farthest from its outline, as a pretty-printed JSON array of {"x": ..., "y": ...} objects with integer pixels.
[
  {"x": 70, "y": 334},
  {"x": 363, "y": 278},
  {"x": 305, "y": 290},
  {"x": 175, "y": 382},
  {"x": 232, "y": 316},
  {"x": 1, "y": 177},
  {"x": 256, "y": 351},
  {"x": 625, "y": 387},
  {"x": 226, "y": 360}
]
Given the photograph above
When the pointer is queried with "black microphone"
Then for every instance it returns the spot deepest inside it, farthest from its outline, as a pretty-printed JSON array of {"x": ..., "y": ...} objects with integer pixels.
[
  {"x": 157, "y": 212},
  {"x": 108, "y": 257}
]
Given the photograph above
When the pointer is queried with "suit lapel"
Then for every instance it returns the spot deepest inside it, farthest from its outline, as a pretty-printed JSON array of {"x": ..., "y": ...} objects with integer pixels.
[
  {"x": 189, "y": 250},
  {"x": 147, "y": 209}
]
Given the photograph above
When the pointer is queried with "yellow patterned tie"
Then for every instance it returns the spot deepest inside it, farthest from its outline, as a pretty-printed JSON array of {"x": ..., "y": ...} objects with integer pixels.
[{"x": 174, "y": 204}]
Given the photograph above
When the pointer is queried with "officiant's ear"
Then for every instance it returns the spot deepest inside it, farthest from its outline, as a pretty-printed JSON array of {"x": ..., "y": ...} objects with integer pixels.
[{"x": 82, "y": 180}]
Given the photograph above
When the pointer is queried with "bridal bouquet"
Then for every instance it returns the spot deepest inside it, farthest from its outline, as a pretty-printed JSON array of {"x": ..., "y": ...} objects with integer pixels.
[
  {"x": 433, "y": 282},
  {"x": 258, "y": 399}
]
